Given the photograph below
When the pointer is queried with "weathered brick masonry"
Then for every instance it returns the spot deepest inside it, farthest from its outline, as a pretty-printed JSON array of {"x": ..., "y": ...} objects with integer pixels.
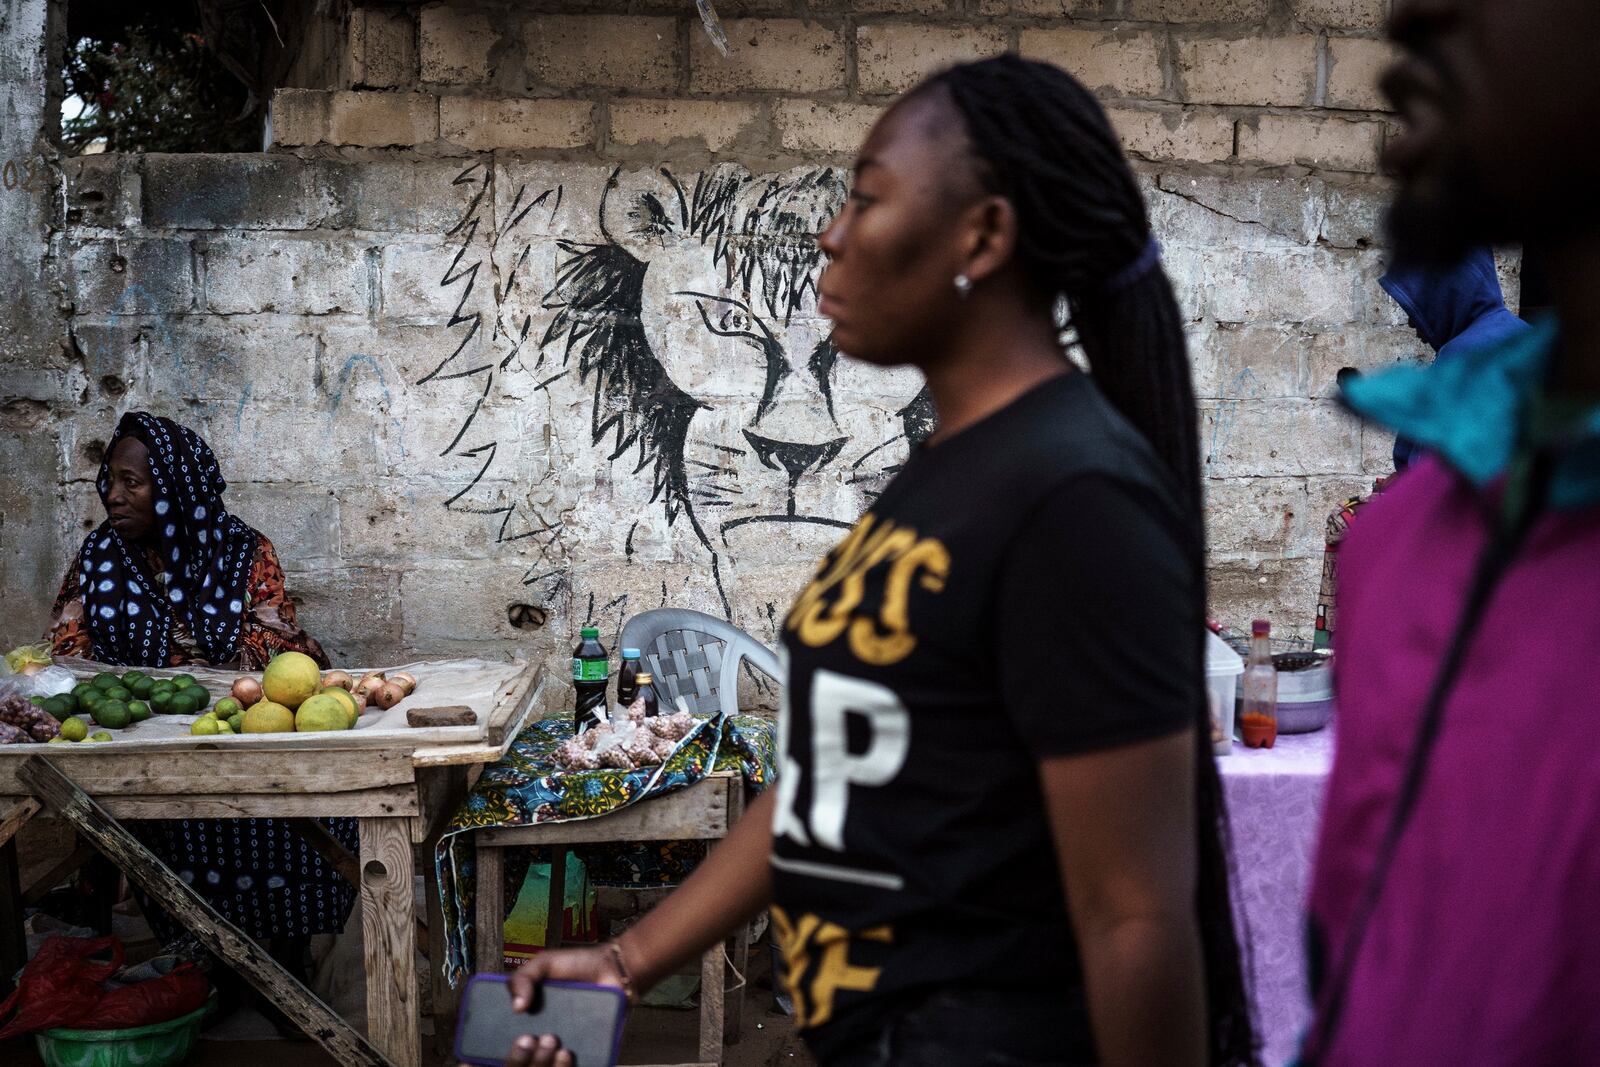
[{"x": 444, "y": 379}]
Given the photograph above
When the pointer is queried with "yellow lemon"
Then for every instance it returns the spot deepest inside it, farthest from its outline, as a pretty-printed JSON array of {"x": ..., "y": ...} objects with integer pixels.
[
  {"x": 321, "y": 712},
  {"x": 265, "y": 717},
  {"x": 290, "y": 678},
  {"x": 343, "y": 697}
]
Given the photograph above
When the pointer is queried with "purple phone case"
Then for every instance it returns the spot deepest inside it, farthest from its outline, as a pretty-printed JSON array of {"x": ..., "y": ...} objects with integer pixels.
[{"x": 616, "y": 1036}]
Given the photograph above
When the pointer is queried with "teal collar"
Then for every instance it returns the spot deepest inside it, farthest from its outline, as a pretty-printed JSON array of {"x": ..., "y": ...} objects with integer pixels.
[{"x": 1476, "y": 409}]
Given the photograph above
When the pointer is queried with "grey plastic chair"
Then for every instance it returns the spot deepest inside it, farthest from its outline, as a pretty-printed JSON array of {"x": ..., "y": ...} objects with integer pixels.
[{"x": 696, "y": 656}]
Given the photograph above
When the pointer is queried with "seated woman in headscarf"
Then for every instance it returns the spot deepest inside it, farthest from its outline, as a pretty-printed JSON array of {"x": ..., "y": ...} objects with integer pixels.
[{"x": 171, "y": 579}]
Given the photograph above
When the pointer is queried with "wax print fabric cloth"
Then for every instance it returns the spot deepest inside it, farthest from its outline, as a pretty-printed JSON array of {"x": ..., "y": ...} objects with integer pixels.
[{"x": 527, "y": 787}]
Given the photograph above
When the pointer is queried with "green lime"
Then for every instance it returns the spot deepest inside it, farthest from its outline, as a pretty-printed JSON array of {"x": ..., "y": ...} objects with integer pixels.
[
  {"x": 228, "y": 707},
  {"x": 133, "y": 676},
  {"x": 74, "y": 729},
  {"x": 187, "y": 701},
  {"x": 204, "y": 726},
  {"x": 113, "y": 714},
  {"x": 59, "y": 707},
  {"x": 236, "y": 722},
  {"x": 38, "y": 701},
  {"x": 183, "y": 681},
  {"x": 99, "y": 735},
  {"x": 205, "y": 697},
  {"x": 91, "y": 700},
  {"x": 138, "y": 710},
  {"x": 105, "y": 680},
  {"x": 161, "y": 703},
  {"x": 140, "y": 687},
  {"x": 119, "y": 692}
]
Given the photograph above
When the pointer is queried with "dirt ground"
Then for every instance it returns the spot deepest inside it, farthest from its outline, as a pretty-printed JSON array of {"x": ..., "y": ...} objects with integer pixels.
[{"x": 653, "y": 1036}]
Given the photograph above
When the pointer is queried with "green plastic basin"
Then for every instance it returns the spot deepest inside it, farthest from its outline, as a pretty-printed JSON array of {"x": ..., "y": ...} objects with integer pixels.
[{"x": 158, "y": 1045}]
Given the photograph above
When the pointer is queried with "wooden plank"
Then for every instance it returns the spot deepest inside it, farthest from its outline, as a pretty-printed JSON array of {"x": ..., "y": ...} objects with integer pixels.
[
  {"x": 389, "y": 939},
  {"x": 17, "y": 818},
  {"x": 399, "y": 800},
  {"x": 505, "y": 720},
  {"x": 700, "y": 811},
  {"x": 102, "y": 772},
  {"x": 713, "y": 976},
  {"x": 58, "y": 874},
  {"x": 490, "y": 945},
  {"x": 214, "y": 932}
]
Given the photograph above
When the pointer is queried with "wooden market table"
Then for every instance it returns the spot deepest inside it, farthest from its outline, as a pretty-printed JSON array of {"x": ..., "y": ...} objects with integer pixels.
[
  {"x": 704, "y": 811},
  {"x": 401, "y": 793}
]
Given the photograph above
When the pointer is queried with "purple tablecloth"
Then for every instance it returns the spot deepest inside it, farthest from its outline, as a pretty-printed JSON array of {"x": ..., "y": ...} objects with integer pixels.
[{"x": 1274, "y": 799}]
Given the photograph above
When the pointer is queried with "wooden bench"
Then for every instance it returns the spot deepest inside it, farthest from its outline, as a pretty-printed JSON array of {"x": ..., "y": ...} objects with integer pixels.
[{"x": 703, "y": 811}]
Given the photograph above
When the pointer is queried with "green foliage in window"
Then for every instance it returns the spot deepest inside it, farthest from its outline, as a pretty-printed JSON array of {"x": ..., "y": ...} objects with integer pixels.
[{"x": 155, "y": 88}]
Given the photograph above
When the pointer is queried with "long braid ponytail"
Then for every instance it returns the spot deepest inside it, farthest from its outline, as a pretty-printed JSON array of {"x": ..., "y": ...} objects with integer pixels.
[{"x": 1044, "y": 143}]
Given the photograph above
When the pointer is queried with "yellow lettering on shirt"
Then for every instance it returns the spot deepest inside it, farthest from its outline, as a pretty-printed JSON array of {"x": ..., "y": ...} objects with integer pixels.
[
  {"x": 887, "y": 639},
  {"x": 829, "y": 943}
]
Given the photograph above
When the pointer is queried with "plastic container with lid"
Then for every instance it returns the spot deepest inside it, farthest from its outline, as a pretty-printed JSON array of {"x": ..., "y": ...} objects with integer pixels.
[{"x": 1223, "y": 668}]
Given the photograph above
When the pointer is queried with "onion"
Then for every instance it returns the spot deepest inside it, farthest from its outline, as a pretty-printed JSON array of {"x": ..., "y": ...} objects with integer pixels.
[
  {"x": 407, "y": 684},
  {"x": 369, "y": 681},
  {"x": 341, "y": 679},
  {"x": 247, "y": 691},
  {"x": 387, "y": 695}
]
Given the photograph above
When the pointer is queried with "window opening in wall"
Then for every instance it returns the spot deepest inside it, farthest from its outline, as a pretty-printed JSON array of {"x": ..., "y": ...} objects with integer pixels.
[{"x": 165, "y": 76}]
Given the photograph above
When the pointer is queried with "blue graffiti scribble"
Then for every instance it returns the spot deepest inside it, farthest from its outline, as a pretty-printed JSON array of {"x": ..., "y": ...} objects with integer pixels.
[{"x": 336, "y": 398}]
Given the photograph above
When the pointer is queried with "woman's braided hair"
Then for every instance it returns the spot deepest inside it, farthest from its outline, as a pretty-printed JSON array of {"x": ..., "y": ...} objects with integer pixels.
[{"x": 1043, "y": 142}]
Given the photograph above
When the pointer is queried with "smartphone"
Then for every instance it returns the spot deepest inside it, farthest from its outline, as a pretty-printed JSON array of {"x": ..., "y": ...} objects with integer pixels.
[{"x": 587, "y": 1019}]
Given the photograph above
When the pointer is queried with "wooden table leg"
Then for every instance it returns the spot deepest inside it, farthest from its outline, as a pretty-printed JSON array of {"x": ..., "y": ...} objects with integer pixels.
[
  {"x": 491, "y": 921},
  {"x": 741, "y": 941},
  {"x": 389, "y": 939},
  {"x": 444, "y": 998},
  {"x": 13, "y": 942},
  {"x": 713, "y": 977},
  {"x": 555, "y": 920}
]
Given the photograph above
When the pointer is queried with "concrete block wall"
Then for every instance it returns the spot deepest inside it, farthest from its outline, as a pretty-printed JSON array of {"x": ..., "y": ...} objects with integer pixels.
[{"x": 472, "y": 421}]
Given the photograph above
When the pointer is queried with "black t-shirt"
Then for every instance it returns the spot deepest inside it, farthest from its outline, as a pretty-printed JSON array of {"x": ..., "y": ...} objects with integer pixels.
[{"x": 1020, "y": 590}]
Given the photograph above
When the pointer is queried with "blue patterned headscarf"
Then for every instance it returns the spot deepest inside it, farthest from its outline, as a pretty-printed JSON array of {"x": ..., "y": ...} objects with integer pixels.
[{"x": 205, "y": 553}]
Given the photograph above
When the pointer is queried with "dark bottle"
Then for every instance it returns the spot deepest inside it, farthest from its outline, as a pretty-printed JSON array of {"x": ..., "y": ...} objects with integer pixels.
[
  {"x": 591, "y": 675},
  {"x": 647, "y": 693},
  {"x": 628, "y": 677}
]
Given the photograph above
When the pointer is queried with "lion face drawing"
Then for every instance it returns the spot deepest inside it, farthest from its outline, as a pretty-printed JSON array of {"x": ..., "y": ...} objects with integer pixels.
[{"x": 694, "y": 329}]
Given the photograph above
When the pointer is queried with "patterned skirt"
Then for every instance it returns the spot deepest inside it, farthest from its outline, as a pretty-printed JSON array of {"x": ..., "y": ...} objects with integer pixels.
[{"x": 258, "y": 873}]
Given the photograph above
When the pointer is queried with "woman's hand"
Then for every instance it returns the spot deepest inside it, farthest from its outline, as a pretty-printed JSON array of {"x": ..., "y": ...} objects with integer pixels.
[{"x": 597, "y": 966}]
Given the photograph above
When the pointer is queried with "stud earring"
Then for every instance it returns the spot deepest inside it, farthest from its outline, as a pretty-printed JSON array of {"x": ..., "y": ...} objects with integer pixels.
[{"x": 963, "y": 285}]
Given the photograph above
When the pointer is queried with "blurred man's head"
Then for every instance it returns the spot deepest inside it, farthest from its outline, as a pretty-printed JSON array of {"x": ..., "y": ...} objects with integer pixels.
[{"x": 1501, "y": 104}]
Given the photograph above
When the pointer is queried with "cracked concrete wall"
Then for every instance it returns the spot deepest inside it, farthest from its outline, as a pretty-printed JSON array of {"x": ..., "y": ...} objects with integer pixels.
[
  {"x": 36, "y": 379},
  {"x": 473, "y": 415}
]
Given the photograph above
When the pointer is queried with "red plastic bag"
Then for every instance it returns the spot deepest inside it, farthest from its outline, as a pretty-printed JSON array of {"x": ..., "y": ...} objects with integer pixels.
[
  {"x": 63, "y": 986},
  {"x": 182, "y": 990},
  {"x": 60, "y": 986}
]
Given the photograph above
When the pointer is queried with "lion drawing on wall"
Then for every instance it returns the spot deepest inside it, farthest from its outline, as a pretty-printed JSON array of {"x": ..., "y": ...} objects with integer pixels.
[{"x": 693, "y": 328}]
